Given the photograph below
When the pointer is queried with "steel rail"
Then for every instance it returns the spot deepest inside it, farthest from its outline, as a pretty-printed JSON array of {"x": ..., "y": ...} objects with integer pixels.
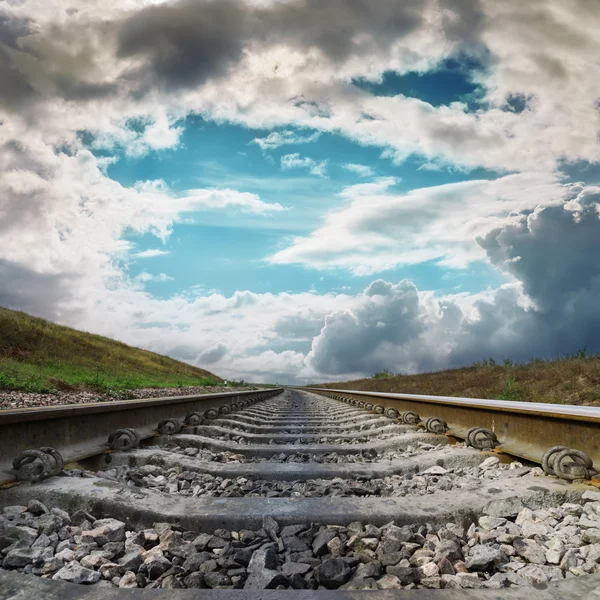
[
  {"x": 79, "y": 431},
  {"x": 524, "y": 429}
]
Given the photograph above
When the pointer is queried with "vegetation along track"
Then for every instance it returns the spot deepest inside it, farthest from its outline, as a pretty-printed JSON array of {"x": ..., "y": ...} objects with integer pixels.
[{"x": 346, "y": 493}]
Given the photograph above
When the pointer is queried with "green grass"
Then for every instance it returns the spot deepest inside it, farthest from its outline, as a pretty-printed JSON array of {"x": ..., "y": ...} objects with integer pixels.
[
  {"x": 40, "y": 356},
  {"x": 569, "y": 379},
  {"x": 385, "y": 374}
]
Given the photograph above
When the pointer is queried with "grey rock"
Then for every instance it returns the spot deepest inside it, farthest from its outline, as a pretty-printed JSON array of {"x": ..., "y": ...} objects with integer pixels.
[
  {"x": 194, "y": 580},
  {"x": 488, "y": 523},
  {"x": 243, "y": 556},
  {"x": 12, "y": 512},
  {"x": 530, "y": 550},
  {"x": 208, "y": 566},
  {"x": 263, "y": 558},
  {"x": 23, "y": 556},
  {"x": 431, "y": 582},
  {"x": 332, "y": 573},
  {"x": 271, "y": 526},
  {"x": 170, "y": 582},
  {"x": 446, "y": 567},
  {"x": 483, "y": 558},
  {"x": 569, "y": 560},
  {"x": 7, "y": 541},
  {"x": 367, "y": 570},
  {"x": 94, "y": 560},
  {"x": 63, "y": 515},
  {"x": 319, "y": 545},
  {"x": 47, "y": 566},
  {"x": 131, "y": 561},
  {"x": 389, "y": 582},
  {"x": 116, "y": 549},
  {"x": 193, "y": 562},
  {"x": 405, "y": 575},
  {"x": 394, "y": 558},
  {"x": 156, "y": 566},
  {"x": 388, "y": 545},
  {"x": 75, "y": 573},
  {"x": 66, "y": 555},
  {"x": 540, "y": 573},
  {"x": 201, "y": 541},
  {"x": 490, "y": 462},
  {"x": 128, "y": 580},
  {"x": 246, "y": 536},
  {"x": 217, "y": 542},
  {"x": 402, "y": 534},
  {"x": 110, "y": 570},
  {"x": 448, "y": 549},
  {"x": 290, "y": 530},
  {"x": 265, "y": 579},
  {"x": 428, "y": 570},
  {"x": 591, "y": 496},
  {"x": 43, "y": 541},
  {"x": 591, "y": 536},
  {"x": 435, "y": 470},
  {"x": 49, "y": 523},
  {"x": 178, "y": 547},
  {"x": 293, "y": 568},
  {"x": 506, "y": 508},
  {"x": 22, "y": 532},
  {"x": 469, "y": 581},
  {"x": 106, "y": 530},
  {"x": 294, "y": 544},
  {"x": 555, "y": 551},
  {"x": 35, "y": 507}
]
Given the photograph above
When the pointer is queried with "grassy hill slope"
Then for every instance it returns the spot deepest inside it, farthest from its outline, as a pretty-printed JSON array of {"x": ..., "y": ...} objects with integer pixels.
[
  {"x": 569, "y": 380},
  {"x": 40, "y": 356}
]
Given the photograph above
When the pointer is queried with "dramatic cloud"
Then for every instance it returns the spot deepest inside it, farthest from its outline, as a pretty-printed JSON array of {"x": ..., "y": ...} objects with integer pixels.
[
  {"x": 552, "y": 310},
  {"x": 119, "y": 79},
  {"x": 378, "y": 229}
]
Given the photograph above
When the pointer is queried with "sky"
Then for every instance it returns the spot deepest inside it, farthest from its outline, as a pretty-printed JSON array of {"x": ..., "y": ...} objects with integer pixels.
[{"x": 300, "y": 191}]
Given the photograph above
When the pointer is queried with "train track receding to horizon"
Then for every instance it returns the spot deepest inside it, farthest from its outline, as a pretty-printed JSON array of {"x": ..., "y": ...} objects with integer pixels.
[{"x": 300, "y": 492}]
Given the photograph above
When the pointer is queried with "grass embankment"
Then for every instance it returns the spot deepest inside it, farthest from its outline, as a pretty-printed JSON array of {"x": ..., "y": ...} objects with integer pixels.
[
  {"x": 40, "y": 356},
  {"x": 570, "y": 380}
]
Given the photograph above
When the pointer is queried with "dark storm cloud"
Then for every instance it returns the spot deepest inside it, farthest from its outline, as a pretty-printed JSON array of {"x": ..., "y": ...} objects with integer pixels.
[
  {"x": 553, "y": 252},
  {"x": 15, "y": 89},
  {"x": 187, "y": 42},
  {"x": 340, "y": 28},
  {"x": 29, "y": 63},
  {"x": 14, "y": 86},
  {"x": 11, "y": 29}
]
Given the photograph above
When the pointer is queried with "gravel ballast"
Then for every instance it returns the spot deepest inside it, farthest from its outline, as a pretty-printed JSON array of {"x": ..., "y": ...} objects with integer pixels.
[
  {"x": 14, "y": 399},
  {"x": 534, "y": 548}
]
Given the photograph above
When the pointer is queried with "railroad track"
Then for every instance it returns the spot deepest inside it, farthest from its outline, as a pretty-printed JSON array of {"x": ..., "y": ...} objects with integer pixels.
[{"x": 308, "y": 493}]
